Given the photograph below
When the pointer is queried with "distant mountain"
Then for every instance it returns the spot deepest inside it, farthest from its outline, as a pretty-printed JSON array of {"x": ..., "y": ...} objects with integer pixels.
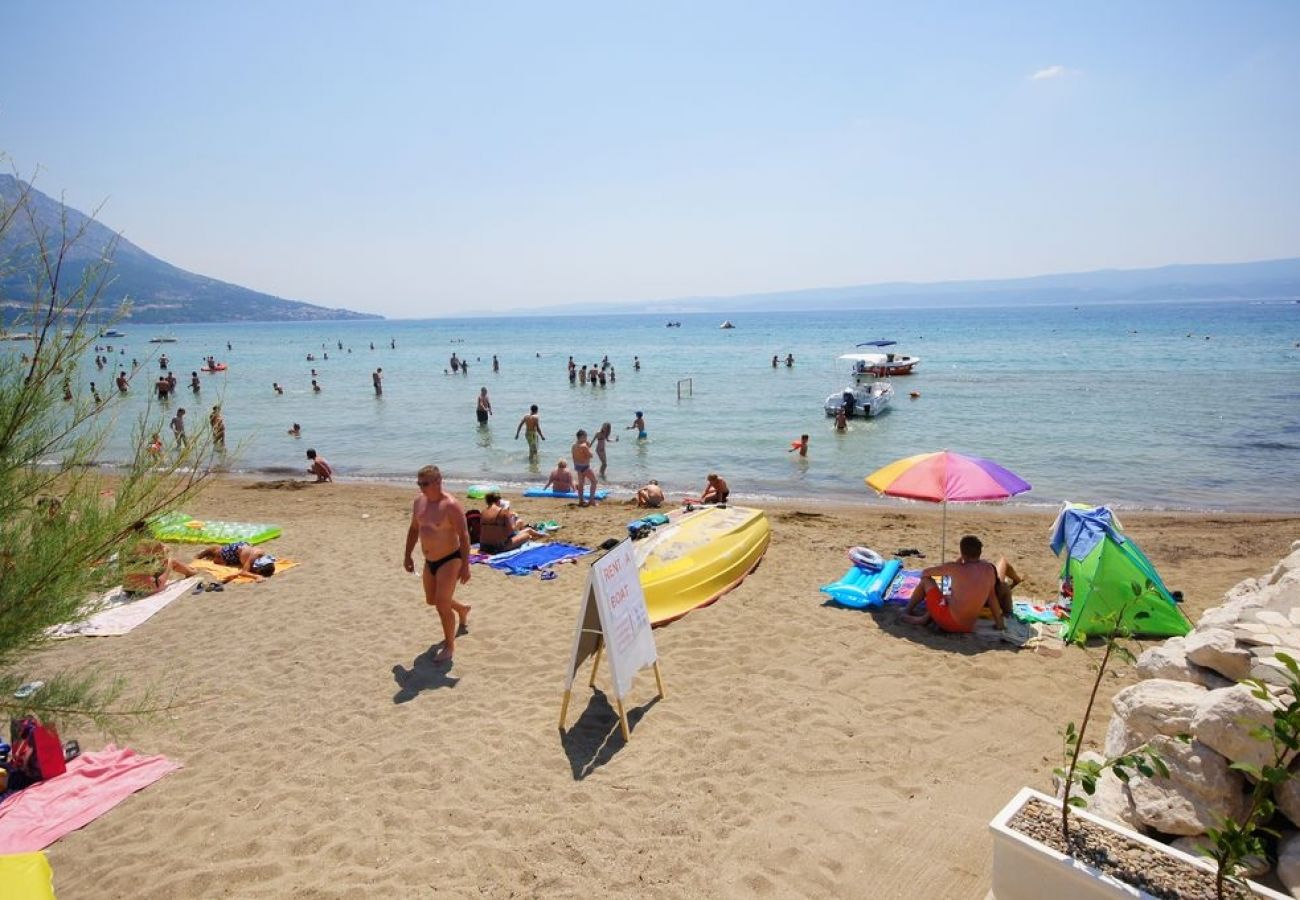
[
  {"x": 158, "y": 291},
  {"x": 1277, "y": 279}
]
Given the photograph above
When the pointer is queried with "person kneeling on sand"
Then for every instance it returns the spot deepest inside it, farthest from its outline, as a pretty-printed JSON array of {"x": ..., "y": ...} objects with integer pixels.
[
  {"x": 715, "y": 490},
  {"x": 319, "y": 467},
  {"x": 974, "y": 585},
  {"x": 651, "y": 496},
  {"x": 499, "y": 529},
  {"x": 561, "y": 480}
]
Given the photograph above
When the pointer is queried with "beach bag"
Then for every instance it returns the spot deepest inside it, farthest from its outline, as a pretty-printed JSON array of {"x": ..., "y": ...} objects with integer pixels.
[
  {"x": 36, "y": 753},
  {"x": 474, "y": 522}
]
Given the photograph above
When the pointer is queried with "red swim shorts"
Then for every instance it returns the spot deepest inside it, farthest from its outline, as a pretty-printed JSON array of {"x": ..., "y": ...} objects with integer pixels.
[{"x": 937, "y": 607}]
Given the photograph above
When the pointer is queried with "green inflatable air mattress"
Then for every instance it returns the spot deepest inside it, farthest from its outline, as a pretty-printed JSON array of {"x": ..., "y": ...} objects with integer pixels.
[{"x": 182, "y": 528}]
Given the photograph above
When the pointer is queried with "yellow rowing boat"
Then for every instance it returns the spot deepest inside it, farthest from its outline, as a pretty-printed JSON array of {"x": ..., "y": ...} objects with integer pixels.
[{"x": 699, "y": 556}]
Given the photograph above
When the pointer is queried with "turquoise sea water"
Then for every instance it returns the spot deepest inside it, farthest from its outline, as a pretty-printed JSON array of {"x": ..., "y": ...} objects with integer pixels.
[{"x": 1156, "y": 406}]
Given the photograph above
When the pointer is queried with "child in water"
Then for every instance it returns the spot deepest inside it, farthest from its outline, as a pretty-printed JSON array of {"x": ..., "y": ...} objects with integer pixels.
[{"x": 639, "y": 424}]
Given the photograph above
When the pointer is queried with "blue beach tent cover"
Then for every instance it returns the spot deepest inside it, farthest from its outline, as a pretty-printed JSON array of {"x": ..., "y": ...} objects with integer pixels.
[{"x": 1115, "y": 586}]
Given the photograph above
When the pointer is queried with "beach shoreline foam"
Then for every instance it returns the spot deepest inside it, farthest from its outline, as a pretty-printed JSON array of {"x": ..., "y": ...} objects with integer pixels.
[{"x": 802, "y": 749}]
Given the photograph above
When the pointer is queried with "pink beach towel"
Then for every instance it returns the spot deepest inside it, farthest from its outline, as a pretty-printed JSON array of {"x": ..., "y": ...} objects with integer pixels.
[{"x": 37, "y": 816}]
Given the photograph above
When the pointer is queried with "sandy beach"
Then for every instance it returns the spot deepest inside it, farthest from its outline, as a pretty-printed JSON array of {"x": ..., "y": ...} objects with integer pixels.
[{"x": 802, "y": 750}]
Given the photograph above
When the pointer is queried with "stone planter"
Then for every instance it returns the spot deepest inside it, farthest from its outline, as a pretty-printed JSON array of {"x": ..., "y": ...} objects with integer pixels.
[{"x": 1025, "y": 869}]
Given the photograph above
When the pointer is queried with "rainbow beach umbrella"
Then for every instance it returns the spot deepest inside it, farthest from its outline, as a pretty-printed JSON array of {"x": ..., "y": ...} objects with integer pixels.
[{"x": 946, "y": 476}]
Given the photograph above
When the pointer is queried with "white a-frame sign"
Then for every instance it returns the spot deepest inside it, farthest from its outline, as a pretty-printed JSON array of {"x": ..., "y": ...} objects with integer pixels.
[{"x": 613, "y": 619}]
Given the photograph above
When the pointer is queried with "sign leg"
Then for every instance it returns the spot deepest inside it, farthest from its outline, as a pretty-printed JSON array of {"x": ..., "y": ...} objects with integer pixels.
[
  {"x": 564, "y": 708},
  {"x": 659, "y": 680},
  {"x": 595, "y": 663},
  {"x": 622, "y": 720}
]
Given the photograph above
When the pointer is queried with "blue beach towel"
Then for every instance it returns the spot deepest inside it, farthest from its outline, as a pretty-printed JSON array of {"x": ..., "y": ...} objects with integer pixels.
[{"x": 531, "y": 559}]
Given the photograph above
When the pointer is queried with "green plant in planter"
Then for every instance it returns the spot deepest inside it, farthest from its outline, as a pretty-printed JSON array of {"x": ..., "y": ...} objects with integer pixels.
[
  {"x": 1087, "y": 772},
  {"x": 1234, "y": 841}
]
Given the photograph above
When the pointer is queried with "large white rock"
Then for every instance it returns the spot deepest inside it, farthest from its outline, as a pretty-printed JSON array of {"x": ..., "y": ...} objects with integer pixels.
[
  {"x": 1287, "y": 795},
  {"x": 1199, "y": 791},
  {"x": 1168, "y": 660},
  {"x": 1111, "y": 800},
  {"x": 1157, "y": 706},
  {"x": 1288, "y": 862},
  {"x": 1216, "y": 648},
  {"x": 1224, "y": 720}
]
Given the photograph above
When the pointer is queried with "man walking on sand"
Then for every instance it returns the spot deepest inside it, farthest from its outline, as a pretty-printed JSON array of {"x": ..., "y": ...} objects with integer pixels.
[
  {"x": 438, "y": 523},
  {"x": 534, "y": 431},
  {"x": 974, "y": 585}
]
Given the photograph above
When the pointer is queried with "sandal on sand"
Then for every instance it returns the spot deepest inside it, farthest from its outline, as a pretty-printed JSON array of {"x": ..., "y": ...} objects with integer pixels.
[{"x": 547, "y": 575}]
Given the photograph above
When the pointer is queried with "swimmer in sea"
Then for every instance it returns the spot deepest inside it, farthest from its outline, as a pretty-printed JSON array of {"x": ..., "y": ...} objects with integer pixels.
[
  {"x": 483, "y": 408},
  {"x": 534, "y": 426},
  {"x": 841, "y": 421},
  {"x": 801, "y": 445},
  {"x": 639, "y": 425}
]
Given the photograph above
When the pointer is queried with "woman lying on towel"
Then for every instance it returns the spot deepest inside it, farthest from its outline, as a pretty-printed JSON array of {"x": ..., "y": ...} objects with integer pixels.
[
  {"x": 243, "y": 556},
  {"x": 147, "y": 566},
  {"x": 499, "y": 530}
]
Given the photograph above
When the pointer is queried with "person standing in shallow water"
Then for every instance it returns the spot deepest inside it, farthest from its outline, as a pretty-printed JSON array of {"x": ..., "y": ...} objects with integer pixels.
[
  {"x": 484, "y": 406},
  {"x": 438, "y": 523}
]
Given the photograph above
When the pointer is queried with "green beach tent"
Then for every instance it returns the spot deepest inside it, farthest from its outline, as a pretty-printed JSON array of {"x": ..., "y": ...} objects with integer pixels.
[{"x": 1115, "y": 585}]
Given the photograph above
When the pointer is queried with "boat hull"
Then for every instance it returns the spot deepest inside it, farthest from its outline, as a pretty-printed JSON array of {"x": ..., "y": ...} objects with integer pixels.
[{"x": 699, "y": 556}]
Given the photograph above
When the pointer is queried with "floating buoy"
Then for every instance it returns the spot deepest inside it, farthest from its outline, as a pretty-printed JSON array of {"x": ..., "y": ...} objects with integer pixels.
[{"x": 915, "y": 395}]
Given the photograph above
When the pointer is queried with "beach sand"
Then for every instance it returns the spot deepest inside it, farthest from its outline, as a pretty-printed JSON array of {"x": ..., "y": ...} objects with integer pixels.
[{"x": 802, "y": 750}]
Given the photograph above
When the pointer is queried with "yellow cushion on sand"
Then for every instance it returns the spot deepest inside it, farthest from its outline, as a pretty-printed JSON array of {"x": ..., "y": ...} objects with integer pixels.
[{"x": 26, "y": 876}]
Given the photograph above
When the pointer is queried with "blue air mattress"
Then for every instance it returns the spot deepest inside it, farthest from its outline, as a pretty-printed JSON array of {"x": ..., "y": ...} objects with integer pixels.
[{"x": 565, "y": 495}]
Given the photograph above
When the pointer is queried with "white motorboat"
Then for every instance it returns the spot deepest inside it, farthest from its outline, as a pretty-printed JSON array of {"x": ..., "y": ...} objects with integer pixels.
[
  {"x": 726, "y": 324},
  {"x": 865, "y": 395},
  {"x": 883, "y": 365}
]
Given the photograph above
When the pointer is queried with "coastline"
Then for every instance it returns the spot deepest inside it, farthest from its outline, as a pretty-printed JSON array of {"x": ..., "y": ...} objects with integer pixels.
[{"x": 801, "y": 749}]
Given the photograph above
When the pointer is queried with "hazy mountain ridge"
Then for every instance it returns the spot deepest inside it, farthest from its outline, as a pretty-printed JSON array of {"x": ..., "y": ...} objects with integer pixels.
[
  {"x": 158, "y": 291},
  {"x": 1277, "y": 279}
]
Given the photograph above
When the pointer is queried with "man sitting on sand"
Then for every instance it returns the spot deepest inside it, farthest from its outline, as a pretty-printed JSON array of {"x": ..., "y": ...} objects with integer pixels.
[
  {"x": 715, "y": 490},
  {"x": 561, "y": 480},
  {"x": 974, "y": 585},
  {"x": 650, "y": 496},
  {"x": 499, "y": 529},
  {"x": 318, "y": 467}
]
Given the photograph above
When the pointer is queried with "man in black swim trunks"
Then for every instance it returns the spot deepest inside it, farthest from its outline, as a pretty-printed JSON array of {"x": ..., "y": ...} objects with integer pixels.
[{"x": 438, "y": 523}]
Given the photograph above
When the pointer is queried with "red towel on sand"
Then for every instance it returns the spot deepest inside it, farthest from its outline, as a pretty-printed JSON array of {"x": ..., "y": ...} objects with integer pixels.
[{"x": 39, "y": 815}]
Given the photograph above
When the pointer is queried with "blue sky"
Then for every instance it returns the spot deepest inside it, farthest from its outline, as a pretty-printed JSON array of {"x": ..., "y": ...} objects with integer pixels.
[{"x": 422, "y": 159}]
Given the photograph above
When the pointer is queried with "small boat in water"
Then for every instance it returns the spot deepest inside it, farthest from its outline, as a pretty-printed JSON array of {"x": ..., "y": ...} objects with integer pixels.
[
  {"x": 698, "y": 556},
  {"x": 864, "y": 396},
  {"x": 726, "y": 324},
  {"x": 113, "y": 332},
  {"x": 885, "y": 364},
  {"x": 162, "y": 340}
]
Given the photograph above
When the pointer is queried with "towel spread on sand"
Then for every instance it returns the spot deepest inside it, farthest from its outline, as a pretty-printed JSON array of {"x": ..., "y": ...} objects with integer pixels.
[
  {"x": 218, "y": 571},
  {"x": 901, "y": 590},
  {"x": 524, "y": 562},
  {"x": 1029, "y": 611},
  {"x": 37, "y": 816},
  {"x": 117, "y": 613}
]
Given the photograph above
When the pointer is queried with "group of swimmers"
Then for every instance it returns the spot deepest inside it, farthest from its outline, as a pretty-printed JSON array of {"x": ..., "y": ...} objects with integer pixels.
[{"x": 597, "y": 375}]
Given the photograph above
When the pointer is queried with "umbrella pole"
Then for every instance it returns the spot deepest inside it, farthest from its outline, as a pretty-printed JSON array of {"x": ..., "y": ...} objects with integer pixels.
[{"x": 943, "y": 535}]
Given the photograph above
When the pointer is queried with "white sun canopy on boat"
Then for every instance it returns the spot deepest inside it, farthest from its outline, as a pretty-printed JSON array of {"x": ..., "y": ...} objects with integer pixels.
[{"x": 870, "y": 359}]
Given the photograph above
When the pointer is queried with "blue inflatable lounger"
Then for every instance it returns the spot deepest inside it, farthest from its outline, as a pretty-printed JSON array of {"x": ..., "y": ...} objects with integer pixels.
[
  {"x": 564, "y": 495},
  {"x": 862, "y": 588}
]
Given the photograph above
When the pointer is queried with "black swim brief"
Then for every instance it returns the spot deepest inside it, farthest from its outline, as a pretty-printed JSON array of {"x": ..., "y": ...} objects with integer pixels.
[{"x": 436, "y": 564}]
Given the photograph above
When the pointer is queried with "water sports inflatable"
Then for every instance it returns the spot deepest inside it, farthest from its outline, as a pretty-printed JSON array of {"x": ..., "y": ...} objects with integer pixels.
[
  {"x": 479, "y": 491},
  {"x": 219, "y": 367},
  {"x": 564, "y": 495},
  {"x": 866, "y": 558},
  {"x": 862, "y": 588},
  {"x": 182, "y": 528}
]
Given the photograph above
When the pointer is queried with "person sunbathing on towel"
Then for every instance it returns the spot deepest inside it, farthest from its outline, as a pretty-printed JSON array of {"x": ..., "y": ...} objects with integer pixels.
[
  {"x": 248, "y": 559},
  {"x": 561, "y": 480},
  {"x": 499, "y": 529},
  {"x": 147, "y": 565},
  {"x": 975, "y": 584}
]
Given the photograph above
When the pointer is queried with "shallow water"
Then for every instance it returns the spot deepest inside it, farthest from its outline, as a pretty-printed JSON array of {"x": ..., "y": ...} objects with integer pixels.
[{"x": 1190, "y": 405}]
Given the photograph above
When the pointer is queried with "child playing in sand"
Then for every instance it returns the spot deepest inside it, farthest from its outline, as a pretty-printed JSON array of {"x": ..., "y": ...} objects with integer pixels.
[{"x": 319, "y": 467}]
